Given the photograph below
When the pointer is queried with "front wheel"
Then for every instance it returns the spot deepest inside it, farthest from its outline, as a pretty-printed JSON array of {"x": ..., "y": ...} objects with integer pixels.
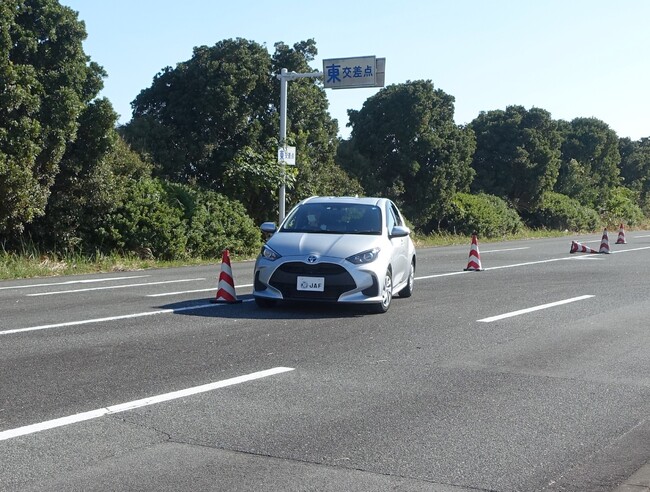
[
  {"x": 407, "y": 291},
  {"x": 386, "y": 294}
]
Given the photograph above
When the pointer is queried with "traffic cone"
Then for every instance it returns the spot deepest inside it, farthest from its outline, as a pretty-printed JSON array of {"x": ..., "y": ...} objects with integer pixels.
[
  {"x": 577, "y": 247},
  {"x": 226, "y": 292},
  {"x": 604, "y": 243},
  {"x": 621, "y": 235},
  {"x": 474, "y": 263}
]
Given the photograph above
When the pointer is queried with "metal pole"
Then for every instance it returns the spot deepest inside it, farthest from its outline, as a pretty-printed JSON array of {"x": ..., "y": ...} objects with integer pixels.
[
  {"x": 283, "y": 134},
  {"x": 285, "y": 77}
]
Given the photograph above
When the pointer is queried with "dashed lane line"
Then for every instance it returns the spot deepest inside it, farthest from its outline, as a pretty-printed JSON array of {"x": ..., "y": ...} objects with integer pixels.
[
  {"x": 71, "y": 282},
  {"x": 152, "y": 400},
  {"x": 534, "y": 308},
  {"x": 114, "y": 287},
  {"x": 114, "y": 318}
]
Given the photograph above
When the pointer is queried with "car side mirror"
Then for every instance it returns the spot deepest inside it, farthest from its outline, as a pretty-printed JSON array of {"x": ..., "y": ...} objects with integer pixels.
[
  {"x": 400, "y": 231},
  {"x": 268, "y": 227}
]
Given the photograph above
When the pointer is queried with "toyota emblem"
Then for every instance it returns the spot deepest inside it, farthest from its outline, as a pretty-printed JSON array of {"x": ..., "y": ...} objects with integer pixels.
[{"x": 312, "y": 259}]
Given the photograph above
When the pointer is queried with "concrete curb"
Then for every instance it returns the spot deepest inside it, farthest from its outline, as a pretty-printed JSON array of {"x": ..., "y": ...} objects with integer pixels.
[{"x": 639, "y": 482}]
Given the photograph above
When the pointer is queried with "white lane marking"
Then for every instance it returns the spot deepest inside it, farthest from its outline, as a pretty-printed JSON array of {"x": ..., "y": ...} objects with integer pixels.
[
  {"x": 626, "y": 250},
  {"x": 441, "y": 275},
  {"x": 646, "y": 235},
  {"x": 70, "y": 282},
  {"x": 500, "y": 250},
  {"x": 168, "y": 311},
  {"x": 114, "y": 287},
  {"x": 535, "y": 308},
  {"x": 114, "y": 318},
  {"x": 192, "y": 291},
  {"x": 463, "y": 272},
  {"x": 152, "y": 400},
  {"x": 532, "y": 263},
  {"x": 514, "y": 265}
]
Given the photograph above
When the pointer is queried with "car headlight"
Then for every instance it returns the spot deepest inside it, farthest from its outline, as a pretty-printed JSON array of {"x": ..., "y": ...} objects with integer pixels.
[
  {"x": 269, "y": 253},
  {"x": 364, "y": 257}
]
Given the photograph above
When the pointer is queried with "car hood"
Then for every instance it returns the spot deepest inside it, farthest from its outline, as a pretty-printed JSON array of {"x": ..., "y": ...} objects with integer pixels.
[{"x": 334, "y": 245}]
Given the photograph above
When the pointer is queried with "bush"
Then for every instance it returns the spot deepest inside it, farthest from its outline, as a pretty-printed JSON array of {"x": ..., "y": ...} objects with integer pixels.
[
  {"x": 621, "y": 206},
  {"x": 215, "y": 223},
  {"x": 560, "y": 212},
  {"x": 147, "y": 223},
  {"x": 487, "y": 215}
]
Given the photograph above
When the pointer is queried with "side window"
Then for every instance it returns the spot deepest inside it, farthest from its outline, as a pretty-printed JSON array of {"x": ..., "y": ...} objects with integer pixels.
[
  {"x": 398, "y": 217},
  {"x": 390, "y": 219}
]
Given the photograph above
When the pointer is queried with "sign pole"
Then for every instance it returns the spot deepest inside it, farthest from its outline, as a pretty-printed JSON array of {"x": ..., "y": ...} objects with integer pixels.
[
  {"x": 283, "y": 135},
  {"x": 342, "y": 73},
  {"x": 285, "y": 76}
]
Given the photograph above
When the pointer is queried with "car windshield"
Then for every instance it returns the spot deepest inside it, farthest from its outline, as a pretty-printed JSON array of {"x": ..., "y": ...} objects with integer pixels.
[{"x": 334, "y": 218}]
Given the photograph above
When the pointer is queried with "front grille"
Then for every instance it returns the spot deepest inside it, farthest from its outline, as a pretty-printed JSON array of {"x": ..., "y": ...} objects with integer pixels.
[{"x": 337, "y": 280}]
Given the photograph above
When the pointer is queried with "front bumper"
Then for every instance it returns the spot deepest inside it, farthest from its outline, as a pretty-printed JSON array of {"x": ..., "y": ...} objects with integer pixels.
[{"x": 343, "y": 281}]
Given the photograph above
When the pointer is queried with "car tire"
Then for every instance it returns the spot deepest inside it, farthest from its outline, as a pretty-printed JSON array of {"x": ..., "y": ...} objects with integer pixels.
[
  {"x": 264, "y": 302},
  {"x": 410, "y": 283},
  {"x": 386, "y": 294}
]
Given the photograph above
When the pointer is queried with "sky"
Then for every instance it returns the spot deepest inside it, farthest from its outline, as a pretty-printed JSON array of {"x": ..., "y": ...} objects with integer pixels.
[{"x": 573, "y": 58}]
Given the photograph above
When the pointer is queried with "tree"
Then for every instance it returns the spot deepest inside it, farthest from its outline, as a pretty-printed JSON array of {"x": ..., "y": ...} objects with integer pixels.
[
  {"x": 635, "y": 167},
  {"x": 94, "y": 174},
  {"x": 404, "y": 145},
  {"x": 590, "y": 161},
  {"x": 213, "y": 120},
  {"x": 45, "y": 82},
  {"x": 207, "y": 108},
  {"x": 517, "y": 155}
]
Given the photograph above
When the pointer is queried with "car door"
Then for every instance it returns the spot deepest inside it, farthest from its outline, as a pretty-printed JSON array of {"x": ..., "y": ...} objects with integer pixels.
[{"x": 399, "y": 256}]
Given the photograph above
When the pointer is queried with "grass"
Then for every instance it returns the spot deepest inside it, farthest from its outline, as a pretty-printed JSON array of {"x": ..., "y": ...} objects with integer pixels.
[
  {"x": 31, "y": 263},
  {"x": 447, "y": 239}
]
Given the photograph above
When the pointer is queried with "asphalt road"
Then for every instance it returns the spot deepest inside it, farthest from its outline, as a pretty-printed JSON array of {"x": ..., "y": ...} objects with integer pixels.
[{"x": 531, "y": 375}]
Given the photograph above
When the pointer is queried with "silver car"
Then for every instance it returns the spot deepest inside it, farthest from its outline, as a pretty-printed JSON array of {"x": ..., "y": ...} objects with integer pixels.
[{"x": 337, "y": 249}]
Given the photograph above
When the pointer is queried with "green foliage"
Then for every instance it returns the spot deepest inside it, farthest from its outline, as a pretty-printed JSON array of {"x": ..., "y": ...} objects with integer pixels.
[
  {"x": 621, "y": 206},
  {"x": 557, "y": 211},
  {"x": 517, "y": 154},
  {"x": 487, "y": 215},
  {"x": 207, "y": 109},
  {"x": 98, "y": 160},
  {"x": 213, "y": 121},
  {"x": 590, "y": 161},
  {"x": 405, "y": 146},
  {"x": 215, "y": 223},
  {"x": 171, "y": 221},
  {"x": 45, "y": 82},
  {"x": 635, "y": 168},
  {"x": 148, "y": 223}
]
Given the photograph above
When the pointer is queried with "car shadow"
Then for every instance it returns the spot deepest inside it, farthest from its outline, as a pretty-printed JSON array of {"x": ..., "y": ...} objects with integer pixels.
[{"x": 247, "y": 309}]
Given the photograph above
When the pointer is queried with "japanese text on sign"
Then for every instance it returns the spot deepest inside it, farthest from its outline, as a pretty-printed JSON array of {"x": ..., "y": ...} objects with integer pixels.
[
  {"x": 287, "y": 155},
  {"x": 347, "y": 73}
]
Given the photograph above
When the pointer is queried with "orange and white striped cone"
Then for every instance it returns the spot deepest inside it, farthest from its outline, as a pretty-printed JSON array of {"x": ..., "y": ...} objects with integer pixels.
[
  {"x": 577, "y": 247},
  {"x": 226, "y": 292},
  {"x": 474, "y": 262},
  {"x": 604, "y": 243},
  {"x": 621, "y": 235}
]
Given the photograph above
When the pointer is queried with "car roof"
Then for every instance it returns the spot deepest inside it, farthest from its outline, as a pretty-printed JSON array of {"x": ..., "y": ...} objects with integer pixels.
[{"x": 345, "y": 199}]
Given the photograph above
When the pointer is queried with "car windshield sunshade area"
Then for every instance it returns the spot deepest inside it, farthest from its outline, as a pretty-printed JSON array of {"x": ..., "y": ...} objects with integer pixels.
[{"x": 334, "y": 218}]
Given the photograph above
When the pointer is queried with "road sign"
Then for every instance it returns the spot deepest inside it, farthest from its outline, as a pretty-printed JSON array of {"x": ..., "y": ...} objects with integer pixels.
[
  {"x": 287, "y": 155},
  {"x": 350, "y": 73}
]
